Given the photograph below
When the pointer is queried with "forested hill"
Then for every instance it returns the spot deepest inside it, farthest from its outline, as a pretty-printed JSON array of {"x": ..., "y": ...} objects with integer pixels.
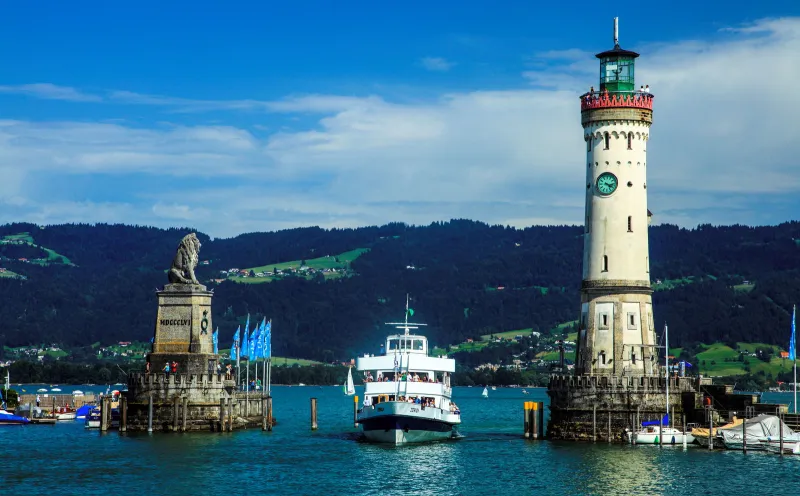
[{"x": 86, "y": 283}]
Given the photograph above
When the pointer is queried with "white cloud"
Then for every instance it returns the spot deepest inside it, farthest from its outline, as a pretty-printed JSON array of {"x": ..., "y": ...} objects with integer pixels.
[
  {"x": 722, "y": 144},
  {"x": 437, "y": 64},
  {"x": 50, "y": 91}
]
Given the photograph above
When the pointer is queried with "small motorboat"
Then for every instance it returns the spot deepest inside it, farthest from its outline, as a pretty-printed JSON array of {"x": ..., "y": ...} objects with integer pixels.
[
  {"x": 525, "y": 392},
  {"x": 77, "y": 393},
  {"x": 42, "y": 390},
  {"x": 494, "y": 388},
  {"x": 11, "y": 419},
  {"x": 65, "y": 413},
  {"x": 93, "y": 419},
  {"x": 56, "y": 390}
]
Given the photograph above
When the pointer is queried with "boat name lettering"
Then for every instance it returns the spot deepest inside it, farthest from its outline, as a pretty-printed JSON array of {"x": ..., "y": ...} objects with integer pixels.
[
  {"x": 175, "y": 322},
  {"x": 415, "y": 410}
]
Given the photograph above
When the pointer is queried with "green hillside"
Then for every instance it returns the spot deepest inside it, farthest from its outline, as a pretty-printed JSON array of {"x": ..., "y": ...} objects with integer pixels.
[
  {"x": 340, "y": 263},
  {"x": 25, "y": 239}
]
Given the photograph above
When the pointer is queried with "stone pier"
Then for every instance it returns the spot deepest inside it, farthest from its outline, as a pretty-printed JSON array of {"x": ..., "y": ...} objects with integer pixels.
[
  {"x": 581, "y": 405},
  {"x": 199, "y": 394}
]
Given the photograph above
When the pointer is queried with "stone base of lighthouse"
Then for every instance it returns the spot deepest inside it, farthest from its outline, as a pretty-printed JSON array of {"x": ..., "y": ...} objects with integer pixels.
[{"x": 587, "y": 408}]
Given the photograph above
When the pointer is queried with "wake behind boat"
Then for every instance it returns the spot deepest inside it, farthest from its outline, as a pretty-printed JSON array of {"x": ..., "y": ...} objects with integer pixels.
[{"x": 407, "y": 394}]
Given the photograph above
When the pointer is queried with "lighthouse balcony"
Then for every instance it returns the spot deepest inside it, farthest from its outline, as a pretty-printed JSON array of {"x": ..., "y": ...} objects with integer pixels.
[{"x": 616, "y": 99}]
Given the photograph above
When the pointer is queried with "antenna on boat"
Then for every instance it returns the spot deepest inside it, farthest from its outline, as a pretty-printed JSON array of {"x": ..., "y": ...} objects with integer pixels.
[
  {"x": 406, "y": 322},
  {"x": 405, "y": 325}
]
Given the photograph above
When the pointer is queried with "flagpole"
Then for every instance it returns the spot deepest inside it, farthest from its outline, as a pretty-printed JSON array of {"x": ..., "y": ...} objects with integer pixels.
[
  {"x": 269, "y": 360},
  {"x": 794, "y": 356}
]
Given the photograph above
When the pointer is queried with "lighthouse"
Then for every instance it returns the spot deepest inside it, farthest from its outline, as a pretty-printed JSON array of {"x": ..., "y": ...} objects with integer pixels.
[{"x": 616, "y": 335}]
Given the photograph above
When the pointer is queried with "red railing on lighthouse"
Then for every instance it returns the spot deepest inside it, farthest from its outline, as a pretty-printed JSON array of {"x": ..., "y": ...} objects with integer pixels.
[{"x": 612, "y": 99}]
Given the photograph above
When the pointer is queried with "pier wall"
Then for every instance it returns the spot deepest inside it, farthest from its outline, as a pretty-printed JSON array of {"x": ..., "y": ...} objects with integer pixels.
[
  {"x": 580, "y": 406},
  {"x": 200, "y": 394},
  {"x": 46, "y": 400}
]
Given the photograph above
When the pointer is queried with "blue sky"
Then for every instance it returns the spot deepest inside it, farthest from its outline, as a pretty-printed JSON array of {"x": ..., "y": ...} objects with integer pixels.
[{"x": 258, "y": 116}]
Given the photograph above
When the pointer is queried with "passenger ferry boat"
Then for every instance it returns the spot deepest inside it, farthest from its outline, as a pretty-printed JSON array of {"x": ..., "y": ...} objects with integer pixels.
[{"x": 407, "y": 394}]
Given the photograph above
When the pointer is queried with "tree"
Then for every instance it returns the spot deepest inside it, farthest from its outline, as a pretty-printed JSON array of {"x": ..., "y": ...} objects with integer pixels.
[
  {"x": 104, "y": 374},
  {"x": 11, "y": 398}
]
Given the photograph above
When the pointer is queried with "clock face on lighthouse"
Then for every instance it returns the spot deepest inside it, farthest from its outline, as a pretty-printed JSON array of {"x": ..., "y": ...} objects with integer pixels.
[{"x": 606, "y": 183}]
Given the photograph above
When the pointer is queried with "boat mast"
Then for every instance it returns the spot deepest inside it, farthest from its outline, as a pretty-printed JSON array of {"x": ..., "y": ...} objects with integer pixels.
[{"x": 666, "y": 362}]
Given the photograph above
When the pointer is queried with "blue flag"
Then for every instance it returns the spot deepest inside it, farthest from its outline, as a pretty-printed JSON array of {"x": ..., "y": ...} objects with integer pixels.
[
  {"x": 215, "y": 340},
  {"x": 245, "y": 349},
  {"x": 235, "y": 347},
  {"x": 253, "y": 343},
  {"x": 792, "y": 342},
  {"x": 268, "y": 340},
  {"x": 259, "y": 348}
]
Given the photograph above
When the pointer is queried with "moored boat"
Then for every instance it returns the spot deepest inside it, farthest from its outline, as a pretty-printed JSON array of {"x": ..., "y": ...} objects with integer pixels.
[
  {"x": 65, "y": 413},
  {"x": 759, "y": 433},
  {"x": 7, "y": 418},
  {"x": 485, "y": 393},
  {"x": 659, "y": 431},
  {"x": 408, "y": 399},
  {"x": 651, "y": 434},
  {"x": 93, "y": 419}
]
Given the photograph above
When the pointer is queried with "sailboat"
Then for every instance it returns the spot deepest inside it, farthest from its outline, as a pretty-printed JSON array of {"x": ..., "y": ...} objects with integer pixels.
[
  {"x": 349, "y": 388},
  {"x": 485, "y": 392},
  {"x": 655, "y": 432}
]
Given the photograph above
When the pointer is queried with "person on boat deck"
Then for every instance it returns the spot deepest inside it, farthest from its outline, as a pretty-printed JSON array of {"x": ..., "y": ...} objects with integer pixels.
[
  {"x": 367, "y": 401},
  {"x": 166, "y": 369},
  {"x": 417, "y": 401}
]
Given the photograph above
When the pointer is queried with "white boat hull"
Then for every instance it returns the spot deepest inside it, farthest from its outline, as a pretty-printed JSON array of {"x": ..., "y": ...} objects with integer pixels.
[
  {"x": 397, "y": 422},
  {"x": 668, "y": 436},
  {"x": 398, "y": 436},
  {"x": 92, "y": 424},
  {"x": 65, "y": 416}
]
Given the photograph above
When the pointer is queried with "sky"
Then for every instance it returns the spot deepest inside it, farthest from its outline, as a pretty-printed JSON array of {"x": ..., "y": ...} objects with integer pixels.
[{"x": 235, "y": 117}]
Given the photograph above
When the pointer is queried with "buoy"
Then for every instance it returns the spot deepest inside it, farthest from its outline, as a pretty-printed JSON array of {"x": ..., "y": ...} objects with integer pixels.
[{"x": 656, "y": 441}]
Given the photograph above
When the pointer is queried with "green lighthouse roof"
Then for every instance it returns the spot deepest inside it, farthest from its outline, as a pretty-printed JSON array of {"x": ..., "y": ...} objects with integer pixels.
[{"x": 617, "y": 52}]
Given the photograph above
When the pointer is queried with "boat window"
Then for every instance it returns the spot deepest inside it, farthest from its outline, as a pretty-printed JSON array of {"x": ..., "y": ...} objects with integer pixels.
[
  {"x": 418, "y": 344},
  {"x": 393, "y": 344}
]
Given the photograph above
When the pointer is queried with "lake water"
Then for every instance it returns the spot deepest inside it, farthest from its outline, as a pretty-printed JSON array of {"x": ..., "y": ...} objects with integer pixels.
[{"x": 491, "y": 458}]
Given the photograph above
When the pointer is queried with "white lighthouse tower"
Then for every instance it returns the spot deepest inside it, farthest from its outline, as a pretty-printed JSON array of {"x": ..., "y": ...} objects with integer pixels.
[{"x": 616, "y": 334}]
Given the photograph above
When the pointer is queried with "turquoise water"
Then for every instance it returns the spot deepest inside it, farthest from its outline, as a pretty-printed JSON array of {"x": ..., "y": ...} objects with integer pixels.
[{"x": 491, "y": 458}]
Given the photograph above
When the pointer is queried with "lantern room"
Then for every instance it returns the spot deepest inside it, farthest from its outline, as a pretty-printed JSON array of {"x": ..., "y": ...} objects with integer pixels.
[{"x": 617, "y": 67}]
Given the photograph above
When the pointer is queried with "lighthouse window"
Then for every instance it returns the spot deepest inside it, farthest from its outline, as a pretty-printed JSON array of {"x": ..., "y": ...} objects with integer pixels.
[
  {"x": 630, "y": 141},
  {"x": 633, "y": 357},
  {"x": 630, "y": 224},
  {"x": 605, "y": 263},
  {"x": 607, "y": 140},
  {"x": 603, "y": 324},
  {"x": 602, "y": 356},
  {"x": 631, "y": 320},
  {"x": 589, "y": 144}
]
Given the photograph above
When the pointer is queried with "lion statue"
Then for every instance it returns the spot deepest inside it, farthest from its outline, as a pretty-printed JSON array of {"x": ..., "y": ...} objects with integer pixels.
[{"x": 182, "y": 271}]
